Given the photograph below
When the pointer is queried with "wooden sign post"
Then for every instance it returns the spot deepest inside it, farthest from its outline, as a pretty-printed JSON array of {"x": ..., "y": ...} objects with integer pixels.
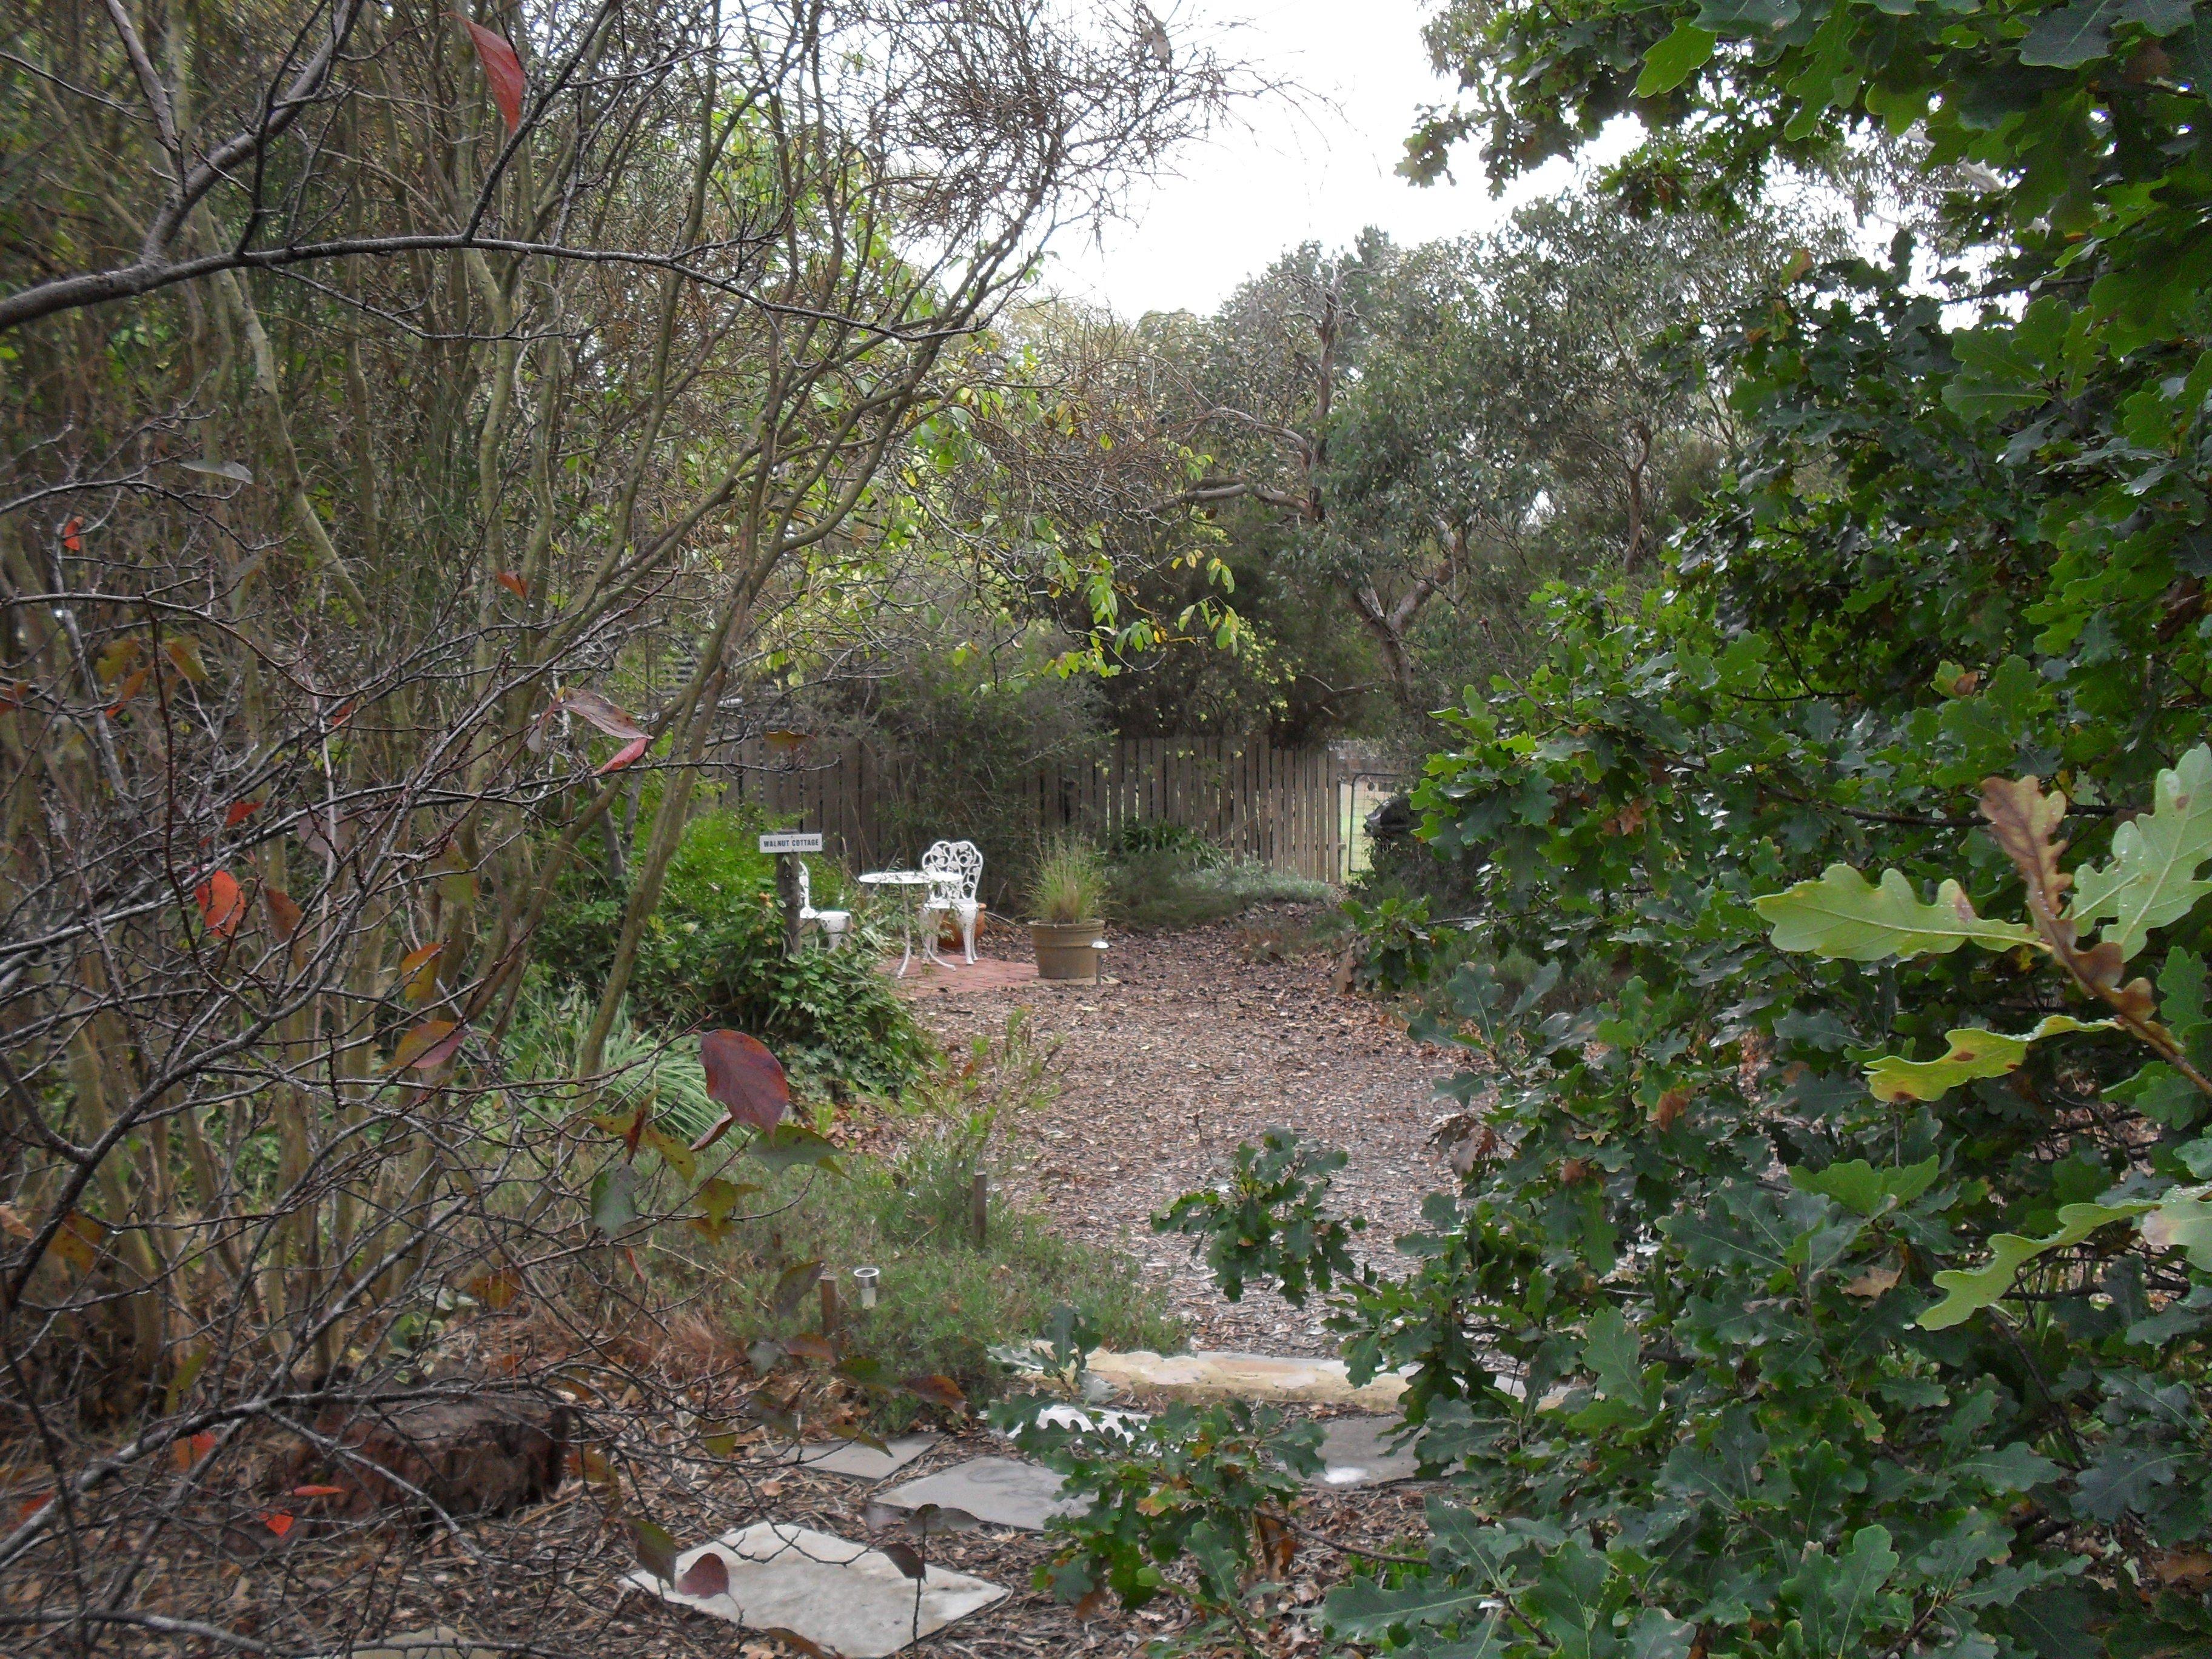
[{"x": 786, "y": 845}]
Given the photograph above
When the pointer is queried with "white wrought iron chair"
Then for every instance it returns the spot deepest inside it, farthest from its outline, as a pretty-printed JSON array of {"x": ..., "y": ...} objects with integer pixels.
[
  {"x": 834, "y": 924},
  {"x": 955, "y": 868}
]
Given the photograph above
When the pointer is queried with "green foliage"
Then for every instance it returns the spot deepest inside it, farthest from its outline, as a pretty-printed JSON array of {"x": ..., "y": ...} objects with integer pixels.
[
  {"x": 712, "y": 954},
  {"x": 1174, "y": 878},
  {"x": 1268, "y": 1220},
  {"x": 946, "y": 1301},
  {"x": 1067, "y": 882},
  {"x": 1205, "y": 1488}
]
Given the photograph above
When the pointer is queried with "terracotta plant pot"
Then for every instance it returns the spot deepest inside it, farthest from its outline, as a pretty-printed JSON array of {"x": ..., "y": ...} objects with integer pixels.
[
  {"x": 948, "y": 927},
  {"x": 1068, "y": 950}
]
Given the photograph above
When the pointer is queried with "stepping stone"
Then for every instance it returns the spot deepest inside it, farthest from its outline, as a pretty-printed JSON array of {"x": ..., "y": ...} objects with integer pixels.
[
  {"x": 841, "y": 1595},
  {"x": 1355, "y": 1451},
  {"x": 1247, "y": 1377},
  {"x": 1000, "y": 1491},
  {"x": 850, "y": 1457}
]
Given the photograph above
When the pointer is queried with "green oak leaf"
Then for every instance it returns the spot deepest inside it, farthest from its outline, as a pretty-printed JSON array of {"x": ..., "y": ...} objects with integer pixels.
[
  {"x": 2151, "y": 878},
  {"x": 2071, "y": 37},
  {"x": 1611, "y": 1354},
  {"x": 1973, "y": 1053},
  {"x": 1998, "y": 375},
  {"x": 1859, "y": 1186},
  {"x": 1843, "y": 914},
  {"x": 1970, "y": 1291},
  {"x": 1839, "y": 1598},
  {"x": 1363, "y": 1611},
  {"x": 2183, "y": 1221},
  {"x": 1674, "y": 59}
]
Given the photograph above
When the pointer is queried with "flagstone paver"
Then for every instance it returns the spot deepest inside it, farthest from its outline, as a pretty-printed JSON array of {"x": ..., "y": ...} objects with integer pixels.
[
  {"x": 841, "y": 1595},
  {"x": 849, "y": 1457},
  {"x": 1001, "y": 1491},
  {"x": 1245, "y": 1377},
  {"x": 1355, "y": 1452}
]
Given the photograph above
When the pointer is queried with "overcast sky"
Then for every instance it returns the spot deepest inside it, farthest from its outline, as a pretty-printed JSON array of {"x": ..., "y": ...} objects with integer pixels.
[{"x": 1319, "y": 167}]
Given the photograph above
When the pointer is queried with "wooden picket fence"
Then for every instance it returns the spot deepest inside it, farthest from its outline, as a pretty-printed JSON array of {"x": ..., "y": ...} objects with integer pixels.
[{"x": 1279, "y": 807}]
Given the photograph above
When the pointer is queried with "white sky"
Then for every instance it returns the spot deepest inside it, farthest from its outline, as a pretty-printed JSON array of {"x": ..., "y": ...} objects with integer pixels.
[{"x": 1319, "y": 167}]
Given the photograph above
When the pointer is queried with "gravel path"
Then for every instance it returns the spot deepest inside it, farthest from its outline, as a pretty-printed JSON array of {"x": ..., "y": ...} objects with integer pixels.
[{"x": 1195, "y": 1048}]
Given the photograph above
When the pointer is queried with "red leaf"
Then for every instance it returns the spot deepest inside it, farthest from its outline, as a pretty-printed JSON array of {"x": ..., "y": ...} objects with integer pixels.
[
  {"x": 201, "y": 1444},
  {"x": 937, "y": 1391},
  {"x": 430, "y": 1044},
  {"x": 239, "y": 811},
  {"x": 502, "y": 71},
  {"x": 344, "y": 714},
  {"x": 222, "y": 905},
  {"x": 70, "y": 538},
  {"x": 743, "y": 1077},
  {"x": 277, "y": 1522},
  {"x": 623, "y": 755},
  {"x": 31, "y": 1506},
  {"x": 591, "y": 705},
  {"x": 12, "y": 693},
  {"x": 707, "y": 1575},
  {"x": 132, "y": 685},
  {"x": 283, "y": 914},
  {"x": 513, "y": 583},
  {"x": 907, "y": 1558},
  {"x": 319, "y": 1491}
]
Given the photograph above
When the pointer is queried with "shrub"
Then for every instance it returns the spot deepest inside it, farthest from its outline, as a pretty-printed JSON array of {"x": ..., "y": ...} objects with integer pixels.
[
  {"x": 946, "y": 1300},
  {"x": 1168, "y": 876},
  {"x": 711, "y": 954}
]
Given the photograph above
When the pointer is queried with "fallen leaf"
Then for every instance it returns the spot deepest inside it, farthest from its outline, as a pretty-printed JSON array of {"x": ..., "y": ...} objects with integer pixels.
[
  {"x": 937, "y": 1391},
  {"x": 496, "y": 1290},
  {"x": 277, "y": 1522},
  {"x": 707, "y": 1575},
  {"x": 319, "y": 1491}
]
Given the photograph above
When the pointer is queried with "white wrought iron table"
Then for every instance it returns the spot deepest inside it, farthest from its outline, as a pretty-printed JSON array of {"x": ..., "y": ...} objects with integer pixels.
[{"x": 905, "y": 883}]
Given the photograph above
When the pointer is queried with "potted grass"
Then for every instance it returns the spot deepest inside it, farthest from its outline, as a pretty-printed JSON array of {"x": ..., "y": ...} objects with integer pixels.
[{"x": 1066, "y": 889}]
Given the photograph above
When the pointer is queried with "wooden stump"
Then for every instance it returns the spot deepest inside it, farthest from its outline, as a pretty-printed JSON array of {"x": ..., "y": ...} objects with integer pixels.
[{"x": 488, "y": 1453}]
